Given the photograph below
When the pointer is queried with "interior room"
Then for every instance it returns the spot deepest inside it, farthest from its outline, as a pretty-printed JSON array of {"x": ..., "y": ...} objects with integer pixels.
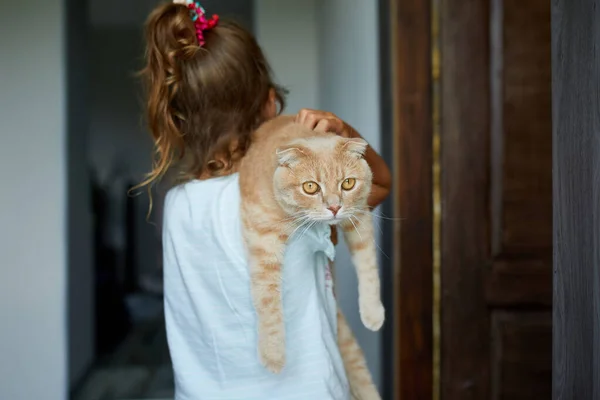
[{"x": 485, "y": 111}]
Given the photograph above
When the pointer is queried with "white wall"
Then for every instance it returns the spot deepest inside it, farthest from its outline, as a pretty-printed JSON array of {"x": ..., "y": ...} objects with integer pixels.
[
  {"x": 349, "y": 87},
  {"x": 33, "y": 199},
  {"x": 326, "y": 53},
  {"x": 287, "y": 32}
]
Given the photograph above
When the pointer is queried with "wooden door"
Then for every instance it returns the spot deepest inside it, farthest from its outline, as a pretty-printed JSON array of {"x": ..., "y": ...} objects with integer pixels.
[{"x": 496, "y": 186}]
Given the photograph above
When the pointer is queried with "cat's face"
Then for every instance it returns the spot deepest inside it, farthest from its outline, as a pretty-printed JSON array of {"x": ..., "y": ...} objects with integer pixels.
[{"x": 323, "y": 179}]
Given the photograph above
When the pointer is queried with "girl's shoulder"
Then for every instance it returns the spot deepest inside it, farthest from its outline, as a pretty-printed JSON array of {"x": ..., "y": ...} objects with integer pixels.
[
  {"x": 201, "y": 191},
  {"x": 199, "y": 201}
]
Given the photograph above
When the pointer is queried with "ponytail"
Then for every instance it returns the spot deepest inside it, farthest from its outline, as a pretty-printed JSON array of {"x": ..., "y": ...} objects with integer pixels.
[
  {"x": 170, "y": 38},
  {"x": 205, "y": 93}
]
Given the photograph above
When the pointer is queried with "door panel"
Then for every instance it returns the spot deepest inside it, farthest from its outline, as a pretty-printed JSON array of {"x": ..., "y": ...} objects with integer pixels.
[
  {"x": 496, "y": 200},
  {"x": 521, "y": 282},
  {"x": 521, "y": 275},
  {"x": 521, "y": 362},
  {"x": 412, "y": 156},
  {"x": 465, "y": 191},
  {"x": 526, "y": 195}
]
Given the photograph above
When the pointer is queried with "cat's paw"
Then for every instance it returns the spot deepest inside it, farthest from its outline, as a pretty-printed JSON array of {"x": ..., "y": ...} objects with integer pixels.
[
  {"x": 372, "y": 314},
  {"x": 271, "y": 351}
]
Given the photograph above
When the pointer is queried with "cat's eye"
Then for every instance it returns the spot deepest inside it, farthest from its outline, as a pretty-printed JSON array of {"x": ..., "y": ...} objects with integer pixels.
[
  {"x": 348, "y": 183},
  {"x": 310, "y": 187}
]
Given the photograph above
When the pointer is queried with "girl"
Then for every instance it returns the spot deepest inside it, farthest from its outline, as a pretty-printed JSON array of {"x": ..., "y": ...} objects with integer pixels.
[{"x": 208, "y": 88}]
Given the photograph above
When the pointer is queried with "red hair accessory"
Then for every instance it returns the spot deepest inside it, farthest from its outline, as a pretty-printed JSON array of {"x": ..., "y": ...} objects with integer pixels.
[{"x": 198, "y": 15}]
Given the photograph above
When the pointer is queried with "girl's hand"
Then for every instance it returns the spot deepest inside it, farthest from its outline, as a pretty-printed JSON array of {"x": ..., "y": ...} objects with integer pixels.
[{"x": 324, "y": 121}]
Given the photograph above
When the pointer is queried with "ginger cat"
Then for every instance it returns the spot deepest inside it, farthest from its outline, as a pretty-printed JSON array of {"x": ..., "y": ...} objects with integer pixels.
[{"x": 292, "y": 172}]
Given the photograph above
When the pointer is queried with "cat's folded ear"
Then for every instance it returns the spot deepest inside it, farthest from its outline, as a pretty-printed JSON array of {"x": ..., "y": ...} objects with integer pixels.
[
  {"x": 288, "y": 156},
  {"x": 355, "y": 146}
]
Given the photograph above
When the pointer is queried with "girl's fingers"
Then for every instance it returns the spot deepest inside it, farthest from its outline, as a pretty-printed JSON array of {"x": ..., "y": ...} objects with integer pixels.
[
  {"x": 311, "y": 120},
  {"x": 323, "y": 126},
  {"x": 320, "y": 121},
  {"x": 332, "y": 125},
  {"x": 300, "y": 116},
  {"x": 337, "y": 125},
  {"x": 304, "y": 114}
]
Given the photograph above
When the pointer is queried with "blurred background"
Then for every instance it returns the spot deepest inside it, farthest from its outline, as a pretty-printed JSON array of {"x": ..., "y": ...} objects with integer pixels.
[
  {"x": 81, "y": 280},
  {"x": 455, "y": 94}
]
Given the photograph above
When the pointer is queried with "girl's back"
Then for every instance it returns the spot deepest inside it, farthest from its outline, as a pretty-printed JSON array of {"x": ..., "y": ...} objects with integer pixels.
[{"x": 209, "y": 311}]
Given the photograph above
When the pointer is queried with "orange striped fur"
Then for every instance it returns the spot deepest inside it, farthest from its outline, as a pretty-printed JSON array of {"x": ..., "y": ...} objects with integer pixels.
[{"x": 282, "y": 158}]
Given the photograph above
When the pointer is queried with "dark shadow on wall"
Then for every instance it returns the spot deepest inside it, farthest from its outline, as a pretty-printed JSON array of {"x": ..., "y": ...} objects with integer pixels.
[
  {"x": 387, "y": 229},
  {"x": 79, "y": 230}
]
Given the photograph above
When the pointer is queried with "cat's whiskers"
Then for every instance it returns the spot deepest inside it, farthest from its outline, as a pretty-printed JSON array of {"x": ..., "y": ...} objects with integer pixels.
[
  {"x": 305, "y": 220},
  {"x": 376, "y": 215},
  {"x": 354, "y": 225},
  {"x": 297, "y": 224},
  {"x": 299, "y": 216},
  {"x": 363, "y": 212},
  {"x": 359, "y": 220},
  {"x": 294, "y": 216},
  {"x": 312, "y": 223},
  {"x": 296, "y": 220}
]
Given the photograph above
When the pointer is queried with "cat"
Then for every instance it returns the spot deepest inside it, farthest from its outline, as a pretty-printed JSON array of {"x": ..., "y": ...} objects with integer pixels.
[{"x": 275, "y": 187}]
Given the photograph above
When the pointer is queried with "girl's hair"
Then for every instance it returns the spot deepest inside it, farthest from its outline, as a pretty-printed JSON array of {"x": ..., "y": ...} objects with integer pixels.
[{"x": 202, "y": 102}]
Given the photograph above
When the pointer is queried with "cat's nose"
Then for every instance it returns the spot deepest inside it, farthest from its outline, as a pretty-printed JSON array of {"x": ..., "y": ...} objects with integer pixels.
[{"x": 334, "y": 209}]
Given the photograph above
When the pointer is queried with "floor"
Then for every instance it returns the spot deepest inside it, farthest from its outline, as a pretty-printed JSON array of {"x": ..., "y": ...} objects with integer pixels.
[{"x": 140, "y": 369}]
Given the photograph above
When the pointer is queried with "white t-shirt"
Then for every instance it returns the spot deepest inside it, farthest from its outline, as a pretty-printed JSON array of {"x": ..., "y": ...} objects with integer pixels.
[{"x": 210, "y": 317}]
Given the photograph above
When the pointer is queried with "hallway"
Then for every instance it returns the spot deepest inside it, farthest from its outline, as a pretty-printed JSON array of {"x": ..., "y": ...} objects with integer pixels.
[{"x": 139, "y": 369}]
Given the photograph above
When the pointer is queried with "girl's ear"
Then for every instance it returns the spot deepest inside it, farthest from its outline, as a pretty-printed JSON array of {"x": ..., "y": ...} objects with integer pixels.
[{"x": 271, "y": 106}]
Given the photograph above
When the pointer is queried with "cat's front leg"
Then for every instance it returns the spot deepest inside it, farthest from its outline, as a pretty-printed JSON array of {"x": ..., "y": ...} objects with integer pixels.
[
  {"x": 265, "y": 249},
  {"x": 360, "y": 238}
]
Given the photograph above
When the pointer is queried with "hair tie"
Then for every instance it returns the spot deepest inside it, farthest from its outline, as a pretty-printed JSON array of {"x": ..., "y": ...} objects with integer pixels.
[{"x": 198, "y": 16}]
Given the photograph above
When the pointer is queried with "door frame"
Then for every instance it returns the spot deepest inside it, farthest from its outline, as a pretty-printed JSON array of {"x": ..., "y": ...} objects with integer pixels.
[
  {"x": 576, "y": 199},
  {"x": 407, "y": 113},
  {"x": 422, "y": 173}
]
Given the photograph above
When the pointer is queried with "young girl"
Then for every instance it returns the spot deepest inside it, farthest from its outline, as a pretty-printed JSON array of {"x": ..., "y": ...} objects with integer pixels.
[{"x": 209, "y": 87}]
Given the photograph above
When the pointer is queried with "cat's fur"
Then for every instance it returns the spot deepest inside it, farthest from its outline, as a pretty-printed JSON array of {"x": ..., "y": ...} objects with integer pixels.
[
  {"x": 283, "y": 156},
  {"x": 357, "y": 371}
]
